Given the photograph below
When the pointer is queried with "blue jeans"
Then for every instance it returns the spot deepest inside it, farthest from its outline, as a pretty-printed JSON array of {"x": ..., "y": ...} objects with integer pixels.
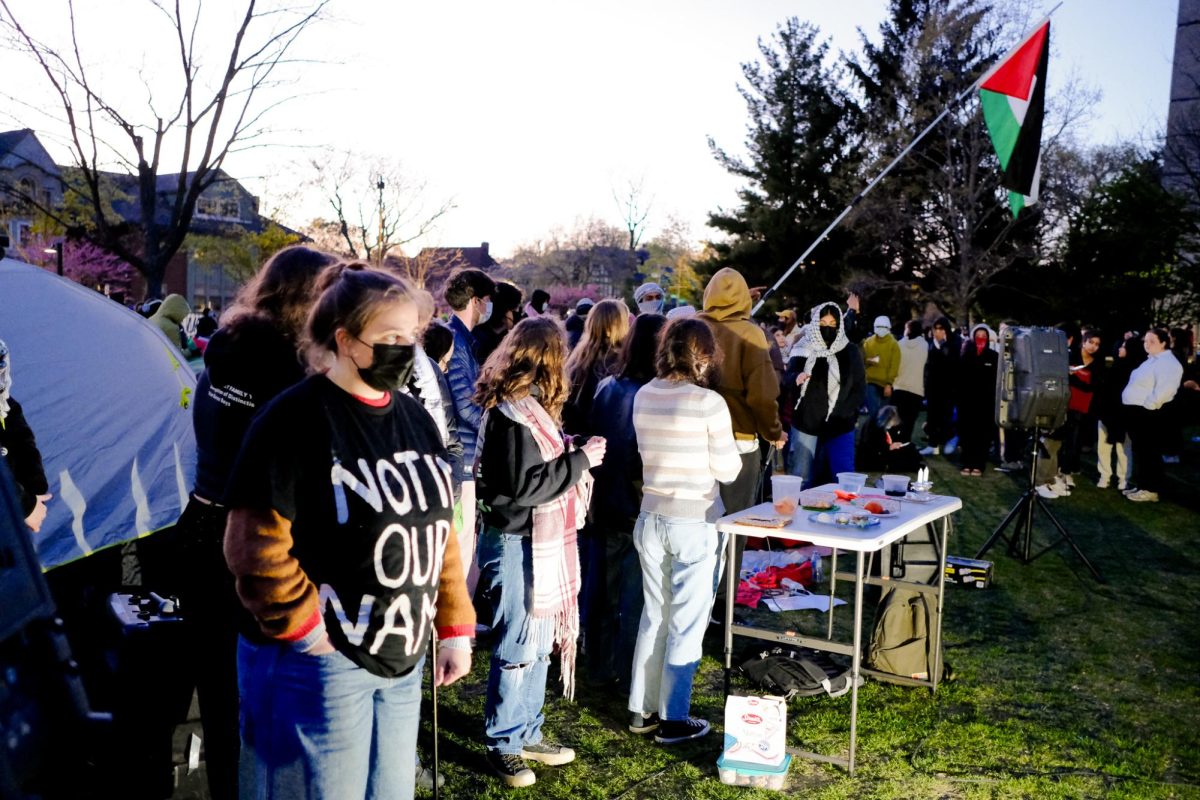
[
  {"x": 875, "y": 401},
  {"x": 678, "y": 561},
  {"x": 323, "y": 728},
  {"x": 813, "y": 457},
  {"x": 802, "y": 454},
  {"x": 516, "y": 689},
  {"x": 487, "y": 591}
]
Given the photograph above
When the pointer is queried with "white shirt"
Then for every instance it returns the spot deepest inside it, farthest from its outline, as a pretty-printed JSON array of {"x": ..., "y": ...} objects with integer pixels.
[
  {"x": 913, "y": 355},
  {"x": 1154, "y": 383}
]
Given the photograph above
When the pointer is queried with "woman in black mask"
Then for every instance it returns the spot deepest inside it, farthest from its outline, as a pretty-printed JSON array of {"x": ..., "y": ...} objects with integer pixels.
[
  {"x": 831, "y": 383},
  {"x": 340, "y": 537}
]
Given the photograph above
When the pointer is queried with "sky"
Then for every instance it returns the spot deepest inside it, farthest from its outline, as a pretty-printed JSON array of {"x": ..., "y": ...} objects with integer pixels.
[{"x": 530, "y": 114}]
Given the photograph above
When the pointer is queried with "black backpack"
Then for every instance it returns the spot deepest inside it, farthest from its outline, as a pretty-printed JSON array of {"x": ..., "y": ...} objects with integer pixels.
[{"x": 797, "y": 672}]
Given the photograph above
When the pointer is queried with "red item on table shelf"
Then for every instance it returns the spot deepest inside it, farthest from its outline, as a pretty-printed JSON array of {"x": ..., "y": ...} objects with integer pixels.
[{"x": 748, "y": 594}]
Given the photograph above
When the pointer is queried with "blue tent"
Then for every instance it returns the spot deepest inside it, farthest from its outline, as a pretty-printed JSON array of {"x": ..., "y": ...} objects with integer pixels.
[{"x": 109, "y": 400}]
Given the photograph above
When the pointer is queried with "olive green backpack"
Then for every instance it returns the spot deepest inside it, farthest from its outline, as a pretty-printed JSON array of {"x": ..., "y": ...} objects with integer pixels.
[{"x": 900, "y": 643}]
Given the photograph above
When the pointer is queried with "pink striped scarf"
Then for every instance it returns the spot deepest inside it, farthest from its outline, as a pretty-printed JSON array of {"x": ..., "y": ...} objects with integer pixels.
[{"x": 555, "y": 548}]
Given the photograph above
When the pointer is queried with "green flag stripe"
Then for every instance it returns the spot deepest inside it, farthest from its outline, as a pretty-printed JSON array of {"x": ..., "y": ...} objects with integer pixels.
[
  {"x": 1002, "y": 124},
  {"x": 1016, "y": 201}
]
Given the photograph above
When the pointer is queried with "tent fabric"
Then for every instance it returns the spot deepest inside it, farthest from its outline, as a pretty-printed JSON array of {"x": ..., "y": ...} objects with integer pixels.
[{"x": 109, "y": 400}]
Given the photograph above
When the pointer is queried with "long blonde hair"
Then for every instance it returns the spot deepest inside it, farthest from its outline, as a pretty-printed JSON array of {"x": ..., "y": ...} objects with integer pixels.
[
  {"x": 604, "y": 332},
  {"x": 533, "y": 354}
]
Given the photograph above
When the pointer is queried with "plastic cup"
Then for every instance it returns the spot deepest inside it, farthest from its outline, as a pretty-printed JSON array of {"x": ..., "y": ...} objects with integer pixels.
[
  {"x": 895, "y": 485},
  {"x": 852, "y": 482},
  {"x": 786, "y": 486}
]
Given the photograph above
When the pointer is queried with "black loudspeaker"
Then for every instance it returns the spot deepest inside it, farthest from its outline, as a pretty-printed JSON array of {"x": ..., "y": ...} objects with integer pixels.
[{"x": 1031, "y": 382}]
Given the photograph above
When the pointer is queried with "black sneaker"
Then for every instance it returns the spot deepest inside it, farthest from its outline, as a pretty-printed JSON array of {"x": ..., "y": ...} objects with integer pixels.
[
  {"x": 511, "y": 768},
  {"x": 643, "y": 723},
  {"x": 673, "y": 731},
  {"x": 554, "y": 755}
]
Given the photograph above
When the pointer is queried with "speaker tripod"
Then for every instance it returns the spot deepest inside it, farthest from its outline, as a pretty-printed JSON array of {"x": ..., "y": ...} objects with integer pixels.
[{"x": 1020, "y": 541}]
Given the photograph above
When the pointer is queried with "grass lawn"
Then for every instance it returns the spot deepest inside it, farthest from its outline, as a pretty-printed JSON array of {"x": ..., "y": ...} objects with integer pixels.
[{"x": 1065, "y": 688}]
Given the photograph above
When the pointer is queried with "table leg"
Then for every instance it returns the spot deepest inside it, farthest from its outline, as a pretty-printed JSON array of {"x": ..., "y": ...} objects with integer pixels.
[
  {"x": 941, "y": 596},
  {"x": 856, "y": 659},
  {"x": 730, "y": 596},
  {"x": 832, "y": 586}
]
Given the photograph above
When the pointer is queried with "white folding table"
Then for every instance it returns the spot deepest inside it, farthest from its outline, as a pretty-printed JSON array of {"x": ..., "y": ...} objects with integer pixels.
[{"x": 911, "y": 517}]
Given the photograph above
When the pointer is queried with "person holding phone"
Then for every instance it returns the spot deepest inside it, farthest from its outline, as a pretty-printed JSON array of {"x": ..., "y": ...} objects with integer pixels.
[{"x": 534, "y": 487}]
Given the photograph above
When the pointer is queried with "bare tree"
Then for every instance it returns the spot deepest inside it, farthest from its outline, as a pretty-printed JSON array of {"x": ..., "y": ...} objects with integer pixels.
[
  {"x": 635, "y": 209},
  {"x": 211, "y": 113},
  {"x": 591, "y": 252},
  {"x": 377, "y": 206},
  {"x": 429, "y": 267}
]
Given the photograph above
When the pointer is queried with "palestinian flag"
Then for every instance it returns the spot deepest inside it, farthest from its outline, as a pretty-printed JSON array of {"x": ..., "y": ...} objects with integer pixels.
[{"x": 1013, "y": 96}]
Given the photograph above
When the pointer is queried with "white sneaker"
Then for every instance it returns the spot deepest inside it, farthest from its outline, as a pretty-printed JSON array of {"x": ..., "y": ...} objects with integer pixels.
[
  {"x": 1061, "y": 487},
  {"x": 1047, "y": 491},
  {"x": 949, "y": 447},
  {"x": 1103, "y": 483},
  {"x": 1143, "y": 496},
  {"x": 1067, "y": 479},
  {"x": 1128, "y": 490},
  {"x": 931, "y": 451}
]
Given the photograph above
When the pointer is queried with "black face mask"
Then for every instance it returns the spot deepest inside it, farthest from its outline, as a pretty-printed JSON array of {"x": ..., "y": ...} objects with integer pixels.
[
  {"x": 391, "y": 366},
  {"x": 828, "y": 334}
]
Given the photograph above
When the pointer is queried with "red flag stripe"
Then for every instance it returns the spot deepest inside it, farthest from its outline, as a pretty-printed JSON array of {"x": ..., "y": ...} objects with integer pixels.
[{"x": 1015, "y": 76}]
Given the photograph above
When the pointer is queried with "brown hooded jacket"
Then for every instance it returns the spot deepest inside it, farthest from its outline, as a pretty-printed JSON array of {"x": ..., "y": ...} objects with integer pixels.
[{"x": 748, "y": 381}]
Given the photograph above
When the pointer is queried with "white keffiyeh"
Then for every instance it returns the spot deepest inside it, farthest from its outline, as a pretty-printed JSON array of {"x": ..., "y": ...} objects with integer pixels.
[{"x": 811, "y": 346}]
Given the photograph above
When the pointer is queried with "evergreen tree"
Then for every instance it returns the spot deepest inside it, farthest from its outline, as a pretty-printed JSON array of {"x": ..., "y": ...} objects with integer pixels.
[
  {"x": 937, "y": 222},
  {"x": 1128, "y": 257},
  {"x": 800, "y": 164}
]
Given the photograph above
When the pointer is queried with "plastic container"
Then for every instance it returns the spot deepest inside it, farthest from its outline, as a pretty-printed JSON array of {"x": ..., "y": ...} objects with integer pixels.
[
  {"x": 852, "y": 482},
  {"x": 895, "y": 485},
  {"x": 758, "y": 778},
  {"x": 816, "y": 500},
  {"x": 786, "y": 486}
]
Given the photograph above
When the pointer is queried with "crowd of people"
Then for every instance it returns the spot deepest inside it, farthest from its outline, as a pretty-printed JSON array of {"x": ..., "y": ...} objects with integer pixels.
[{"x": 373, "y": 482}]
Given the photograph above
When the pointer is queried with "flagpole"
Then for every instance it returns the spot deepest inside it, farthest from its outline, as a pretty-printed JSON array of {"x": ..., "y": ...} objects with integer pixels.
[{"x": 858, "y": 198}]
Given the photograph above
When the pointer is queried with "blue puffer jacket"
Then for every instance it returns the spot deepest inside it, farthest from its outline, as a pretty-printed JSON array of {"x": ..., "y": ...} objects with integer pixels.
[
  {"x": 462, "y": 374},
  {"x": 617, "y": 493}
]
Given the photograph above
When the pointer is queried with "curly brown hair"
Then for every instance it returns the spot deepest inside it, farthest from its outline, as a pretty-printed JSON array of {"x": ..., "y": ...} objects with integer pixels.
[
  {"x": 688, "y": 351},
  {"x": 534, "y": 354}
]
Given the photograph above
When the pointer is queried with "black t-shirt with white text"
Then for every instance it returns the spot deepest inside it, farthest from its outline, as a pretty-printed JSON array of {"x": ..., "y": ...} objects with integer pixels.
[{"x": 368, "y": 492}]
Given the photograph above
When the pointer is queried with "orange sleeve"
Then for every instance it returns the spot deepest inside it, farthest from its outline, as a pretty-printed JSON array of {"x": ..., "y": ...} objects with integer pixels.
[
  {"x": 455, "y": 614},
  {"x": 270, "y": 582}
]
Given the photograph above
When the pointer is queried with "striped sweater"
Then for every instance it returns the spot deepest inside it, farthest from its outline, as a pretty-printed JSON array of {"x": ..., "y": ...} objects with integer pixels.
[{"x": 685, "y": 438}]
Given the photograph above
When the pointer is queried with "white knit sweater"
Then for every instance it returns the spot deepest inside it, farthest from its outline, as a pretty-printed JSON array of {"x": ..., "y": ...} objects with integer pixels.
[{"x": 685, "y": 438}]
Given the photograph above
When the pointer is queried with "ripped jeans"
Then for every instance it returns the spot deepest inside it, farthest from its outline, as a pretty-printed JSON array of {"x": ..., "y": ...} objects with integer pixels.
[{"x": 516, "y": 687}]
